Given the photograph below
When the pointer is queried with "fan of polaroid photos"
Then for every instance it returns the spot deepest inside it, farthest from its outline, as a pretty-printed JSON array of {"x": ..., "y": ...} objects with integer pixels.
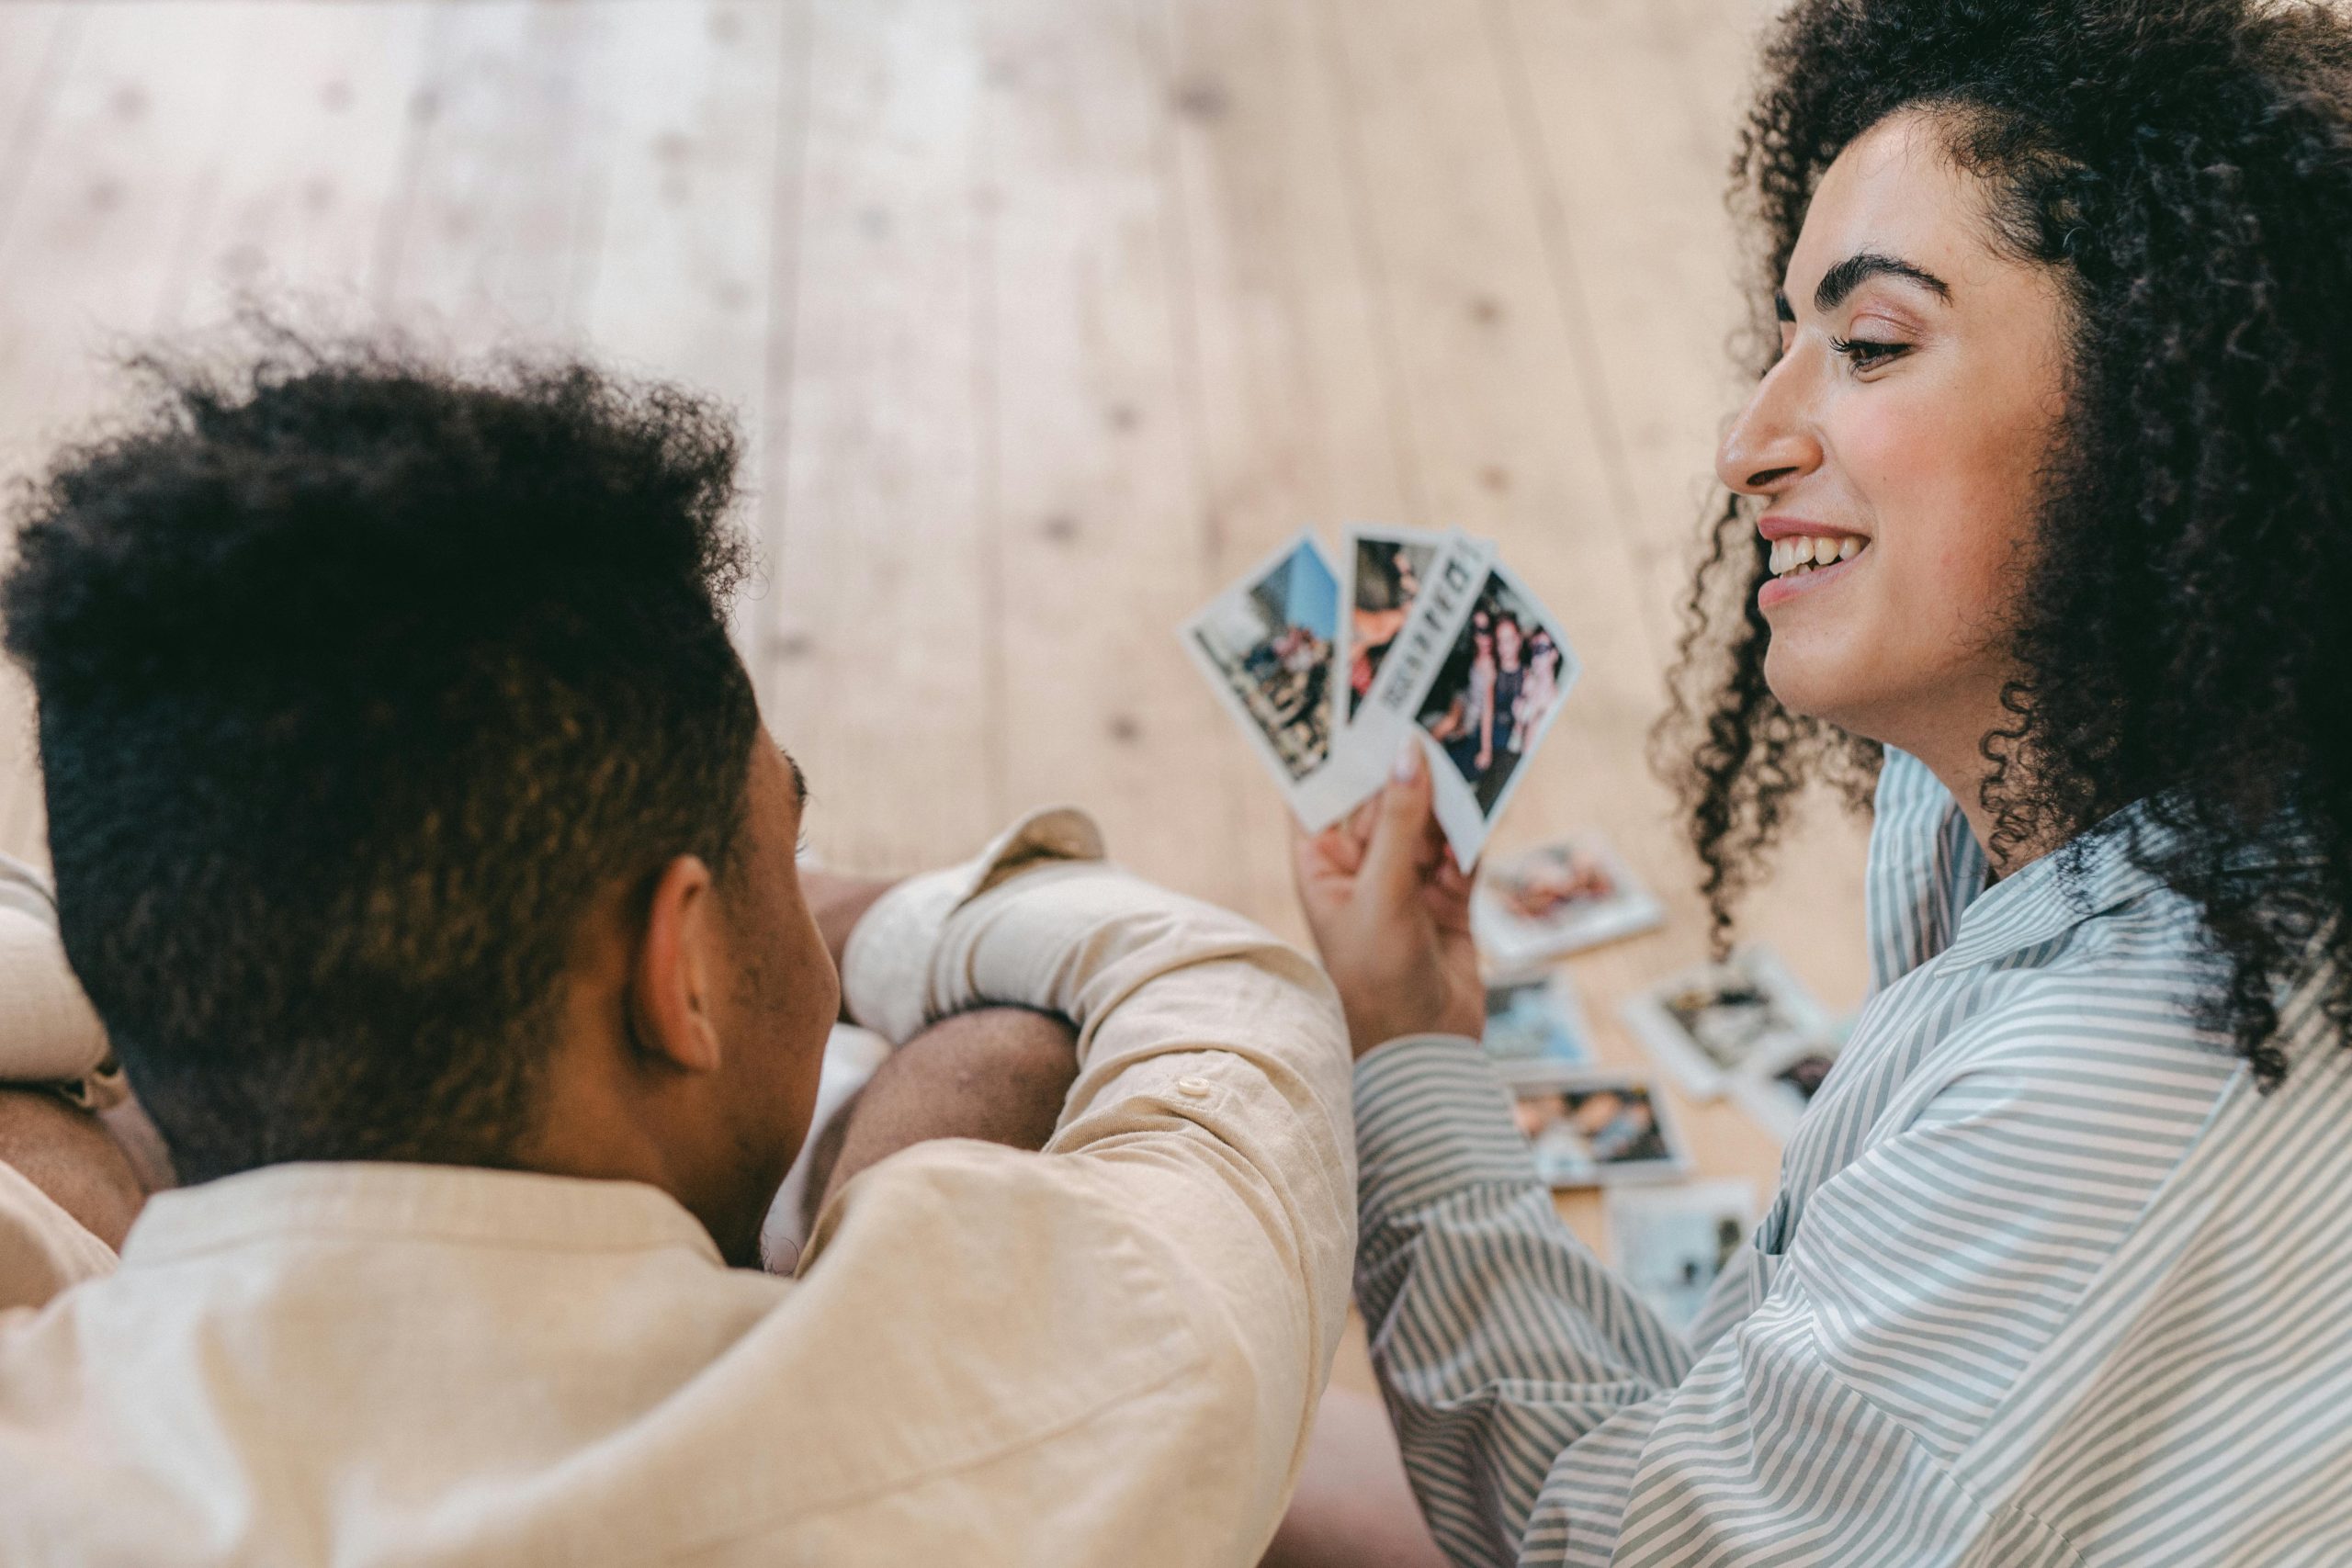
[{"x": 1431, "y": 638}]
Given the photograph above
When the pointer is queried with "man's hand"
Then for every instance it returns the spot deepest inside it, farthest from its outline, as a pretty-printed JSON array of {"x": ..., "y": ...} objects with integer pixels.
[{"x": 1391, "y": 915}]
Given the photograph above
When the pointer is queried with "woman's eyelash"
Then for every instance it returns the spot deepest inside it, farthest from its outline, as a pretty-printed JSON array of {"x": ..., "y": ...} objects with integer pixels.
[{"x": 1863, "y": 353}]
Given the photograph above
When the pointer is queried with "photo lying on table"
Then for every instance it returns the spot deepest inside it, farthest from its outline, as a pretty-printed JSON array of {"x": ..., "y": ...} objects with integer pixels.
[
  {"x": 1672, "y": 1242},
  {"x": 1709, "y": 1023},
  {"x": 1489, "y": 704},
  {"x": 1266, "y": 645},
  {"x": 1595, "y": 1129},
  {"x": 1777, "y": 1087},
  {"x": 1536, "y": 1024},
  {"x": 1556, "y": 900},
  {"x": 1386, "y": 568}
]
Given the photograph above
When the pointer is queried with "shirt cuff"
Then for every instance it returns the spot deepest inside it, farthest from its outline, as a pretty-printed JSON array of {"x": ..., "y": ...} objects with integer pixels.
[
  {"x": 886, "y": 966},
  {"x": 1433, "y": 1118}
]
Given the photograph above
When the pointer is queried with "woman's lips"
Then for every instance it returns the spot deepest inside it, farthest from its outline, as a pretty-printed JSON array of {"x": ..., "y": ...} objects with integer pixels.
[{"x": 1780, "y": 590}]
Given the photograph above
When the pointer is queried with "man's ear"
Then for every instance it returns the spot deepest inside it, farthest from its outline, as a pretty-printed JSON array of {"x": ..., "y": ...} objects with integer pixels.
[{"x": 677, "y": 963}]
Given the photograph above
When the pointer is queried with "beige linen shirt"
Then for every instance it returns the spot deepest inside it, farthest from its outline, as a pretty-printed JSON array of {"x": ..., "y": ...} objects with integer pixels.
[{"x": 1106, "y": 1353}]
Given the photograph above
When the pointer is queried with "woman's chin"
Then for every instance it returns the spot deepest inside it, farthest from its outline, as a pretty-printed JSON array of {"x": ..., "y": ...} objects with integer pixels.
[{"x": 1809, "y": 687}]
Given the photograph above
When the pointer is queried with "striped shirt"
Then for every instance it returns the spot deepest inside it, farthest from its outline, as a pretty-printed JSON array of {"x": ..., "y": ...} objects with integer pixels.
[{"x": 2047, "y": 1280}]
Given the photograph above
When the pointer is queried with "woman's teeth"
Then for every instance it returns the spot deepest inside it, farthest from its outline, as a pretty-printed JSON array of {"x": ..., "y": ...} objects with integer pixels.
[{"x": 1800, "y": 553}]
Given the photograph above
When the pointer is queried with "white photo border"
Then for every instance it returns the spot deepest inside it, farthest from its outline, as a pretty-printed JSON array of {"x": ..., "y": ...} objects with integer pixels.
[
  {"x": 1655, "y": 1025},
  {"x": 1562, "y": 992},
  {"x": 1304, "y": 796},
  {"x": 1511, "y": 942},
  {"x": 1466, "y": 828}
]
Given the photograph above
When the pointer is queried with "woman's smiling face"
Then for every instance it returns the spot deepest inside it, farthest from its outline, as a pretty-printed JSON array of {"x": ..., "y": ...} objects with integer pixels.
[{"x": 1899, "y": 442}]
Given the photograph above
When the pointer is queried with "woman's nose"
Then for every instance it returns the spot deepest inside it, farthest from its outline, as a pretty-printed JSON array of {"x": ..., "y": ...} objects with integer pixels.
[{"x": 1770, "y": 444}]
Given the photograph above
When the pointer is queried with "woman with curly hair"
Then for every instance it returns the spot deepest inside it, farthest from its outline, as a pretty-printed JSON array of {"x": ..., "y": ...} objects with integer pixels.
[{"x": 2040, "y": 516}]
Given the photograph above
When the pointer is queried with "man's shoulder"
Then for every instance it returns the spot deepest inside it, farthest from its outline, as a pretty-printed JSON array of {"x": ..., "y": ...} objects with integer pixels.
[{"x": 976, "y": 1334}]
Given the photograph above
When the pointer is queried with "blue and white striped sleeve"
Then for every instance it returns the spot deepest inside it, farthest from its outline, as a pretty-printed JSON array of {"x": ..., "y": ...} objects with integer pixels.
[
  {"x": 1501, "y": 1340},
  {"x": 1545, "y": 1416}
]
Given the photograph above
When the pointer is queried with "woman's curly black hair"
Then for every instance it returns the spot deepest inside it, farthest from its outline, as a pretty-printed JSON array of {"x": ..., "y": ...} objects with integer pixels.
[{"x": 2185, "y": 168}]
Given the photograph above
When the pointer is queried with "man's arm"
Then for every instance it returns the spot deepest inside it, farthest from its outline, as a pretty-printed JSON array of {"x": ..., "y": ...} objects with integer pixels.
[
  {"x": 1206, "y": 1149},
  {"x": 998, "y": 1074}
]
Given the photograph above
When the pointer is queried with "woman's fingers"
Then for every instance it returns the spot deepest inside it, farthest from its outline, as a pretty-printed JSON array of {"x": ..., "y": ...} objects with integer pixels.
[
  {"x": 1397, "y": 860},
  {"x": 1448, "y": 894},
  {"x": 1450, "y": 878}
]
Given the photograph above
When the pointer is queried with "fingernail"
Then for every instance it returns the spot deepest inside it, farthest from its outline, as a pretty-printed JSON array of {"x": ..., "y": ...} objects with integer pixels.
[{"x": 1408, "y": 762}]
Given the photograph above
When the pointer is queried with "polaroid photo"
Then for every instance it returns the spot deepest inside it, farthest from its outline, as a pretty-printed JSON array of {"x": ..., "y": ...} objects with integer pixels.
[
  {"x": 1707, "y": 1024},
  {"x": 1534, "y": 1024},
  {"x": 1266, "y": 646},
  {"x": 1672, "y": 1242},
  {"x": 1382, "y": 724},
  {"x": 1384, "y": 568},
  {"x": 1557, "y": 899},
  {"x": 1507, "y": 667},
  {"x": 1597, "y": 1129},
  {"x": 1777, "y": 1086}
]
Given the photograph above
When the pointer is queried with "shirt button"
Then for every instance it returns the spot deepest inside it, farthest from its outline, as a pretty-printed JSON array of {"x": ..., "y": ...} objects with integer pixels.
[{"x": 1192, "y": 1089}]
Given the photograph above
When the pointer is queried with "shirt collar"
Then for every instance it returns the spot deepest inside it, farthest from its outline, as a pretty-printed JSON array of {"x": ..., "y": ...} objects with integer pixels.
[
  {"x": 1931, "y": 898},
  {"x": 460, "y": 1205},
  {"x": 2041, "y": 901}
]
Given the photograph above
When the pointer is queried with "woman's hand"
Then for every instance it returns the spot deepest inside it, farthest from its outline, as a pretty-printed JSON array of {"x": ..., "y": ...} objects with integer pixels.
[{"x": 1391, "y": 915}]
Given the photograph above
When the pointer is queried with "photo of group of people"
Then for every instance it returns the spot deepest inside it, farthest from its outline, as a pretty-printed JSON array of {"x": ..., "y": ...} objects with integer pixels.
[
  {"x": 1269, "y": 642},
  {"x": 1591, "y": 1130},
  {"x": 1497, "y": 688}
]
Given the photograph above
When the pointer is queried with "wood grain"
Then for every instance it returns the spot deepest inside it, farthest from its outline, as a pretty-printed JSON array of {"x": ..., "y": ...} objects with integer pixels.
[{"x": 1042, "y": 319}]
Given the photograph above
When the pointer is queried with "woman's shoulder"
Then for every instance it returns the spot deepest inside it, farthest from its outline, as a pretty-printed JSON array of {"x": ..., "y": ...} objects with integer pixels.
[{"x": 2100, "y": 1035}]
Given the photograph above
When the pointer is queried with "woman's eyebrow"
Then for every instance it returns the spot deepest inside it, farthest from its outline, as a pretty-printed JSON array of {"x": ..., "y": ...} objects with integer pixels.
[{"x": 1850, "y": 273}]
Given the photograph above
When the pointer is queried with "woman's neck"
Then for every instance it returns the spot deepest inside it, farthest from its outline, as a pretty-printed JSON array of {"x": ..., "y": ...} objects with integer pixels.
[{"x": 1954, "y": 751}]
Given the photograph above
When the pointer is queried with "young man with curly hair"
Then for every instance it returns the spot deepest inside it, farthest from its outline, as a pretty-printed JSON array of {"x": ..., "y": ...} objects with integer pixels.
[{"x": 421, "y": 848}]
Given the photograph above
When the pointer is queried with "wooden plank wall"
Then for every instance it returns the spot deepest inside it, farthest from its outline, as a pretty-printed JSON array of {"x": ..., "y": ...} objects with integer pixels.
[{"x": 1043, "y": 319}]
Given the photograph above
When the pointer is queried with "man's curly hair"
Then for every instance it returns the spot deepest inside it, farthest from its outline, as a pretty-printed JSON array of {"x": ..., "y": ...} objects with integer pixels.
[
  {"x": 2184, "y": 167},
  {"x": 358, "y": 679}
]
